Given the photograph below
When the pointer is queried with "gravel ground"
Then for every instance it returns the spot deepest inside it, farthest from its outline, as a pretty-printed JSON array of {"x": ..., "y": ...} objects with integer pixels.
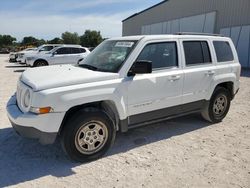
[{"x": 183, "y": 152}]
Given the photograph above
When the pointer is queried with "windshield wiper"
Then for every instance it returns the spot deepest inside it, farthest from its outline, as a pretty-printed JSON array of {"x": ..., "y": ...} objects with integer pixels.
[{"x": 90, "y": 67}]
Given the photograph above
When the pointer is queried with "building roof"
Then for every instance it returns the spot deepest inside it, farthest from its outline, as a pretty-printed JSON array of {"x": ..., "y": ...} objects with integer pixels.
[{"x": 145, "y": 10}]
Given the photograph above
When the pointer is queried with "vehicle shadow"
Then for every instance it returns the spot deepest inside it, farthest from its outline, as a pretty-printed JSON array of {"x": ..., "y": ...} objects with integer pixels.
[
  {"x": 24, "y": 160},
  {"x": 21, "y": 70},
  {"x": 15, "y": 66}
]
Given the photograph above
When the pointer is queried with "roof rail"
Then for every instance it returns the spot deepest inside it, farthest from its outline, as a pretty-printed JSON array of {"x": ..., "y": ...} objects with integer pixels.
[{"x": 193, "y": 33}]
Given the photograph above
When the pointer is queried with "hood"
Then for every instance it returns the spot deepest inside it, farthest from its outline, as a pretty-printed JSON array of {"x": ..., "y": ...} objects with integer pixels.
[
  {"x": 48, "y": 77},
  {"x": 27, "y": 52}
]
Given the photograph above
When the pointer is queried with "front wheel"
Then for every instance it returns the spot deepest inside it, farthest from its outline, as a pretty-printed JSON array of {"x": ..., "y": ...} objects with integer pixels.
[
  {"x": 40, "y": 63},
  {"x": 88, "y": 135},
  {"x": 218, "y": 106}
]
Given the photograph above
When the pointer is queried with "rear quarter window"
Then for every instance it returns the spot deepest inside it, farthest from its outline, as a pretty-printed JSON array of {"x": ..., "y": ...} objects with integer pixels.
[{"x": 223, "y": 51}]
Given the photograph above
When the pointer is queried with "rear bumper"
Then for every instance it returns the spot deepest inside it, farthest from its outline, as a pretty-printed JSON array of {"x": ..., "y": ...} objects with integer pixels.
[{"x": 42, "y": 127}]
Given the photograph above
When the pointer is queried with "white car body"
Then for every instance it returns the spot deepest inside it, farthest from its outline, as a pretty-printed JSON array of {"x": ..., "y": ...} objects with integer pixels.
[
  {"x": 54, "y": 58},
  {"x": 40, "y": 50},
  {"x": 130, "y": 98},
  {"x": 20, "y": 54}
]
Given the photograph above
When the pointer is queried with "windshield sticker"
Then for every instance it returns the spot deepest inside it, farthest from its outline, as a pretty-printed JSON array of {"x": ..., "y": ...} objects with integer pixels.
[{"x": 124, "y": 44}]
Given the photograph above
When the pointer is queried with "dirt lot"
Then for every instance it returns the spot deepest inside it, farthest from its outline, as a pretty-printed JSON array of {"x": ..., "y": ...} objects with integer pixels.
[{"x": 184, "y": 152}]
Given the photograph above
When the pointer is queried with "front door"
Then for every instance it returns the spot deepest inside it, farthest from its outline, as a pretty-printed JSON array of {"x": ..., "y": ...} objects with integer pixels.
[
  {"x": 150, "y": 96},
  {"x": 61, "y": 56}
]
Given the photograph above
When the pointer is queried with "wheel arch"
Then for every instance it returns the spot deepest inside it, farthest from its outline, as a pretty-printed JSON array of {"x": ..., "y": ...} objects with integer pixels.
[
  {"x": 229, "y": 85},
  {"x": 106, "y": 106},
  {"x": 40, "y": 59}
]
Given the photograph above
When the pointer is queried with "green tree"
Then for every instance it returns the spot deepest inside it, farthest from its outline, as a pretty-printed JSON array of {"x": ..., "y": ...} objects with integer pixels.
[
  {"x": 30, "y": 41},
  {"x": 1, "y": 40},
  {"x": 55, "y": 41},
  {"x": 70, "y": 38},
  {"x": 6, "y": 40},
  {"x": 91, "y": 38}
]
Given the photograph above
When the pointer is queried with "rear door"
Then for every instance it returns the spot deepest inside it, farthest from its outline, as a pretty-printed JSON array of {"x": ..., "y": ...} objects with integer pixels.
[
  {"x": 199, "y": 72},
  {"x": 76, "y": 55}
]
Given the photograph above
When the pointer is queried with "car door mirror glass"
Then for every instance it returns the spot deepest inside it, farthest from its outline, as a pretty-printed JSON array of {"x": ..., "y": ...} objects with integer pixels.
[{"x": 140, "y": 67}]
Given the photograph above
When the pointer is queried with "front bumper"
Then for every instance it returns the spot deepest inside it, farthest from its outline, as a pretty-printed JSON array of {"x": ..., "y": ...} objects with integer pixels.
[
  {"x": 42, "y": 127},
  {"x": 29, "y": 62}
]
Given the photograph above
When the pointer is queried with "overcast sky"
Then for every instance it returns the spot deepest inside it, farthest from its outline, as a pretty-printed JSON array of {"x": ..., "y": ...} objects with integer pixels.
[{"x": 49, "y": 18}]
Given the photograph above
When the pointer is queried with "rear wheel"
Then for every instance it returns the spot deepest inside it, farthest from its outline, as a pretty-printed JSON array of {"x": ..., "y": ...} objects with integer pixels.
[
  {"x": 88, "y": 135},
  {"x": 218, "y": 106}
]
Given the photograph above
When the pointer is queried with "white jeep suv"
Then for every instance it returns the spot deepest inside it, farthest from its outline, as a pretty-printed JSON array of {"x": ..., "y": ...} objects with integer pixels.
[
  {"x": 66, "y": 54},
  {"x": 124, "y": 83}
]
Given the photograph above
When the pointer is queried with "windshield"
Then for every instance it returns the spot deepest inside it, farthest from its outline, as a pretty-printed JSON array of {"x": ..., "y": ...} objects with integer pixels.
[{"x": 109, "y": 55}]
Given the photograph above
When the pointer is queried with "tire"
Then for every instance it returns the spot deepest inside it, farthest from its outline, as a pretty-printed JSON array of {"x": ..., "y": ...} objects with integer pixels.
[
  {"x": 218, "y": 106},
  {"x": 40, "y": 63},
  {"x": 88, "y": 135}
]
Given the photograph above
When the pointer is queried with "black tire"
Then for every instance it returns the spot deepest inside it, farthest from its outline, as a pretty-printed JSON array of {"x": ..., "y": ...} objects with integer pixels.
[
  {"x": 40, "y": 63},
  {"x": 215, "y": 111},
  {"x": 72, "y": 132}
]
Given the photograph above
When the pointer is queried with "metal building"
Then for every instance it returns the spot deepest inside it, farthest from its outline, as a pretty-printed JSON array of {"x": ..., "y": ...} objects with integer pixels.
[{"x": 228, "y": 17}]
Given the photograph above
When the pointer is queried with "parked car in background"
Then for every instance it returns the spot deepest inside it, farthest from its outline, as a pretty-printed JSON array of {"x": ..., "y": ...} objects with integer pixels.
[
  {"x": 4, "y": 51},
  {"x": 41, "y": 49},
  {"x": 14, "y": 55},
  {"x": 91, "y": 48},
  {"x": 124, "y": 83},
  {"x": 65, "y": 54}
]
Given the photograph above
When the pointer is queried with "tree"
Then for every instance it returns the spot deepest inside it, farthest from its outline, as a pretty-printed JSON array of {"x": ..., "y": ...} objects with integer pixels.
[
  {"x": 32, "y": 41},
  {"x": 55, "y": 41},
  {"x": 70, "y": 38},
  {"x": 29, "y": 41},
  {"x": 1, "y": 40},
  {"x": 6, "y": 40},
  {"x": 91, "y": 38}
]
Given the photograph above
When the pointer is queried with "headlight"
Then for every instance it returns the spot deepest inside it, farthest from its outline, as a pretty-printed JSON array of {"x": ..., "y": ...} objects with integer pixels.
[{"x": 26, "y": 99}]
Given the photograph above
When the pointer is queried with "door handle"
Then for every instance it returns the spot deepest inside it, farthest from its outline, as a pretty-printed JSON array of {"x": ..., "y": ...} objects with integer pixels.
[
  {"x": 174, "y": 78},
  {"x": 210, "y": 73}
]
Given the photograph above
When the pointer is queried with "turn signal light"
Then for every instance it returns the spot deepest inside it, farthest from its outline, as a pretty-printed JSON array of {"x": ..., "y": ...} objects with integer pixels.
[{"x": 43, "y": 110}]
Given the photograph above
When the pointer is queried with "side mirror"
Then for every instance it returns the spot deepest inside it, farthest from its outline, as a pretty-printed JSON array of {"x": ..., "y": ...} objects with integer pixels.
[
  {"x": 140, "y": 67},
  {"x": 54, "y": 53}
]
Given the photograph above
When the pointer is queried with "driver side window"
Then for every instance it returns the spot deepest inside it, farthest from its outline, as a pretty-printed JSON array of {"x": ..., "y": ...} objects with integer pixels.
[{"x": 163, "y": 55}]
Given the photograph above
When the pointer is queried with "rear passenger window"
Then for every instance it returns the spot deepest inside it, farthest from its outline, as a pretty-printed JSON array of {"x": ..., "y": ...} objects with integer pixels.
[
  {"x": 162, "y": 55},
  {"x": 196, "y": 52},
  {"x": 75, "y": 50},
  {"x": 223, "y": 51}
]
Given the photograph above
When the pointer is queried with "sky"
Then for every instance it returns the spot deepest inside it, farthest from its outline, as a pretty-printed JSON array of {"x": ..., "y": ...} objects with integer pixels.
[{"x": 48, "y": 19}]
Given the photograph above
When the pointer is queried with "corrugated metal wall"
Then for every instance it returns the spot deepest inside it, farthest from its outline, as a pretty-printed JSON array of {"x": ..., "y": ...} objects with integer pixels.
[
  {"x": 230, "y": 16},
  {"x": 230, "y": 13}
]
